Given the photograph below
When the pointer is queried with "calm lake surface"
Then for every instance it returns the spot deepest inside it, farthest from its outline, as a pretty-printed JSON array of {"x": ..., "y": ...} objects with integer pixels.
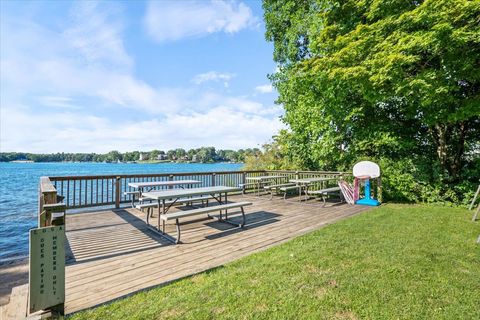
[{"x": 19, "y": 193}]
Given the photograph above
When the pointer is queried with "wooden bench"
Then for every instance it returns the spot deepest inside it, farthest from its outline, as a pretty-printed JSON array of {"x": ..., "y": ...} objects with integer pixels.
[
  {"x": 188, "y": 213},
  {"x": 325, "y": 192},
  {"x": 275, "y": 187}
]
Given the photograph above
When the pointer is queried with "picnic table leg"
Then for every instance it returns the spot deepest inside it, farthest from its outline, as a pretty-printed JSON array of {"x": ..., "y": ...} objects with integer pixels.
[
  {"x": 159, "y": 213},
  {"x": 177, "y": 225},
  {"x": 164, "y": 211},
  {"x": 220, "y": 201},
  {"x": 140, "y": 191},
  {"x": 226, "y": 210},
  {"x": 243, "y": 218}
]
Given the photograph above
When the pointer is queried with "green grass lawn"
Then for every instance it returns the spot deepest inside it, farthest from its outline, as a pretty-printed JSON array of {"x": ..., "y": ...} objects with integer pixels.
[{"x": 393, "y": 262}]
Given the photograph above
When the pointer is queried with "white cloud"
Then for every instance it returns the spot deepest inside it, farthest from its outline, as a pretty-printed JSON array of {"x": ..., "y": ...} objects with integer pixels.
[
  {"x": 76, "y": 63},
  {"x": 213, "y": 76},
  {"x": 58, "y": 102},
  {"x": 96, "y": 32},
  {"x": 266, "y": 88},
  {"x": 174, "y": 20},
  {"x": 222, "y": 127}
]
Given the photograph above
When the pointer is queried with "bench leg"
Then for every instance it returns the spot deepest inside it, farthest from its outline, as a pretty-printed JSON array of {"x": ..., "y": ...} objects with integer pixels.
[
  {"x": 177, "y": 225},
  {"x": 241, "y": 225},
  {"x": 243, "y": 218},
  {"x": 148, "y": 214}
]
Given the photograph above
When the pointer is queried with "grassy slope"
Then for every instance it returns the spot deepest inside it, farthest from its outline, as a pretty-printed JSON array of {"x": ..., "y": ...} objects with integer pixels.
[{"x": 396, "y": 261}]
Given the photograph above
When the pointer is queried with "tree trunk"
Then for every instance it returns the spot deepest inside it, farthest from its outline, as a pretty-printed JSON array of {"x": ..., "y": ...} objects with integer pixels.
[{"x": 450, "y": 142}]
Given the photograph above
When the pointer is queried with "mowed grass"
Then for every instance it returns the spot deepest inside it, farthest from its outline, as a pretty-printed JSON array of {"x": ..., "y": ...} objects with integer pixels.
[{"x": 392, "y": 262}]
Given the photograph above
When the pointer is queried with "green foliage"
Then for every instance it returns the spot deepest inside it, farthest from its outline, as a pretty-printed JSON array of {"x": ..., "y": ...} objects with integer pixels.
[
  {"x": 203, "y": 154},
  {"x": 274, "y": 156},
  {"x": 393, "y": 262},
  {"x": 375, "y": 79}
]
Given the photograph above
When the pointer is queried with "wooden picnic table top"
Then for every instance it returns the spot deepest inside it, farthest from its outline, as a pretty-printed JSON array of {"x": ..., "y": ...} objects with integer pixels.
[
  {"x": 162, "y": 183},
  {"x": 180, "y": 193},
  {"x": 260, "y": 178},
  {"x": 313, "y": 180}
]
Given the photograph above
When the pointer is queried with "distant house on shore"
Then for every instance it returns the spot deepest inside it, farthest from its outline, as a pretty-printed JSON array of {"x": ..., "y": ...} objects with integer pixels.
[{"x": 162, "y": 156}]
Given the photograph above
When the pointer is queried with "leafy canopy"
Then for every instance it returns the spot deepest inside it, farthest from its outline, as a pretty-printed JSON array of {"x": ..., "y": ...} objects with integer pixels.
[{"x": 390, "y": 79}]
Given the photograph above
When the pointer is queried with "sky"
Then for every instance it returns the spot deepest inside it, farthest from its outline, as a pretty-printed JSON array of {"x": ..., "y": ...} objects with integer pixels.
[{"x": 131, "y": 75}]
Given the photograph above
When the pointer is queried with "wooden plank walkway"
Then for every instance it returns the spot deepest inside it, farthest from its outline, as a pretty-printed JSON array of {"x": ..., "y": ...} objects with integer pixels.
[{"x": 115, "y": 254}]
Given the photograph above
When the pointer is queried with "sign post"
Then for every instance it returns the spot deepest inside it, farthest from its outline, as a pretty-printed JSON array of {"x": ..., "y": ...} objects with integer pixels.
[{"x": 47, "y": 269}]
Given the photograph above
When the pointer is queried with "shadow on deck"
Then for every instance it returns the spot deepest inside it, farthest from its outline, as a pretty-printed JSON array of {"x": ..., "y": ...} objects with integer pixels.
[{"x": 114, "y": 254}]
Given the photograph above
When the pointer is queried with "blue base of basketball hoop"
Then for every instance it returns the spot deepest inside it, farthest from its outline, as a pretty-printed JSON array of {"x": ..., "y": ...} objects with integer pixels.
[{"x": 368, "y": 202}]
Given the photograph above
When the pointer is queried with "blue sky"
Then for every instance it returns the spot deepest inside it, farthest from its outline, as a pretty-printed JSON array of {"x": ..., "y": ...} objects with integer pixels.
[{"x": 131, "y": 75}]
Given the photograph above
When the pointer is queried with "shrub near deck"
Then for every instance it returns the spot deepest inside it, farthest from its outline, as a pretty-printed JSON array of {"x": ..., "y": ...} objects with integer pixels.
[{"x": 392, "y": 262}]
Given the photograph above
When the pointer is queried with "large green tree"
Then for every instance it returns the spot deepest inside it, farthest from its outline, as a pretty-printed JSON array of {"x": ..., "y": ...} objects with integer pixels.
[{"x": 388, "y": 79}]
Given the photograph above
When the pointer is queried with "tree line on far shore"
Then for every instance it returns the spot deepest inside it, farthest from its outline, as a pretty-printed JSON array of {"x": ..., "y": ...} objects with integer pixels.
[{"x": 202, "y": 155}]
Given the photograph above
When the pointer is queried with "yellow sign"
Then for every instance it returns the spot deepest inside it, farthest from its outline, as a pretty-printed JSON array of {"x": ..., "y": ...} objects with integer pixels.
[{"x": 47, "y": 267}]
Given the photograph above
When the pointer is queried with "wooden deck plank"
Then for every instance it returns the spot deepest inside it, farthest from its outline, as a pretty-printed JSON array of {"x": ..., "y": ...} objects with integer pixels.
[{"x": 116, "y": 254}]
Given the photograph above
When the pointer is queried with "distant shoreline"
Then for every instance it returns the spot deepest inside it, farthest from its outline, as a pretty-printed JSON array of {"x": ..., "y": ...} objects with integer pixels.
[{"x": 124, "y": 162}]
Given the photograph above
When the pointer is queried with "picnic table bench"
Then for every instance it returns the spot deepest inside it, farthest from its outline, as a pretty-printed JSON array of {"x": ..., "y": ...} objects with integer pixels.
[
  {"x": 186, "y": 201},
  {"x": 188, "y": 213},
  {"x": 276, "y": 187},
  {"x": 260, "y": 181},
  {"x": 302, "y": 185},
  {"x": 245, "y": 185},
  {"x": 325, "y": 192}
]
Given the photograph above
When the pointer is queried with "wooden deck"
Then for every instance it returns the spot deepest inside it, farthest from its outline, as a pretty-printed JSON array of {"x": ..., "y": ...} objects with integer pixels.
[{"x": 115, "y": 254}]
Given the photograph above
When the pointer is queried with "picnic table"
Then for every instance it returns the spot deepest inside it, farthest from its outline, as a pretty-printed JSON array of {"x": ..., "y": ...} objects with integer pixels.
[
  {"x": 304, "y": 183},
  {"x": 260, "y": 180},
  {"x": 167, "y": 198}
]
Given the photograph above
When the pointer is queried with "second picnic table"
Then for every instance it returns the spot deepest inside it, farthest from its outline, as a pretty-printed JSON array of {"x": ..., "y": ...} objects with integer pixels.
[
  {"x": 260, "y": 180},
  {"x": 305, "y": 183}
]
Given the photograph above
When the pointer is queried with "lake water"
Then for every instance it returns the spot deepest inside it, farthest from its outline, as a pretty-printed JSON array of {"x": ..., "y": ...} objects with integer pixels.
[{"x": 19, "y": 193}]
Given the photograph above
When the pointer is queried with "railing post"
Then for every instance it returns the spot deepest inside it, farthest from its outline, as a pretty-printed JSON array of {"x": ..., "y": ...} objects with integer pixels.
[
  {"x": 213, "y": 179},
  {"x": 118, "y": 187},
  {"x": 47, "y": 195},
  {"x": 170, "y": 178},
  {"x": 47, "y": 254},
  {"x": 297, "y": 175},
  {"x": 244, "y": 177}
]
